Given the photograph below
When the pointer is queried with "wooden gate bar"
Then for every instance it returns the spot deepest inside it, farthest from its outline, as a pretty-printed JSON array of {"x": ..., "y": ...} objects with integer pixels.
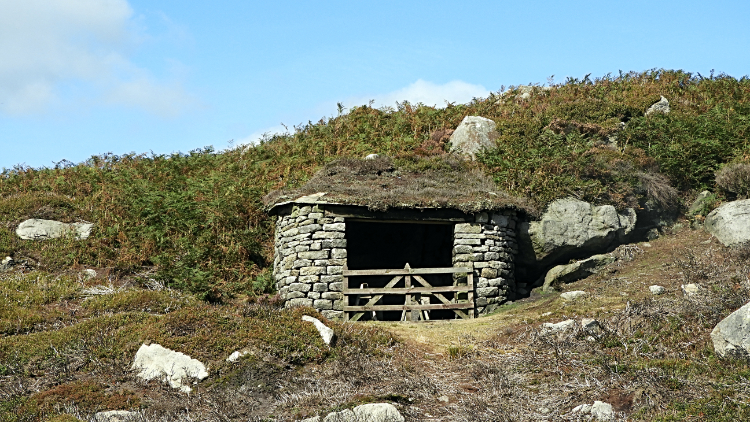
[{"x": 412, "y": 307}]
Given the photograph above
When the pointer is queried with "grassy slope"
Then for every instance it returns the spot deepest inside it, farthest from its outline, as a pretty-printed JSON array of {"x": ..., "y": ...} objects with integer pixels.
[
  {"x": 198, "y": 221},
  {"x": 195, "y": 222}
]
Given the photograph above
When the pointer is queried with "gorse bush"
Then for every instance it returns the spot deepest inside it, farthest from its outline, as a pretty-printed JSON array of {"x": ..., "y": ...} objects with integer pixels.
[{"x": 199, "y": 221}]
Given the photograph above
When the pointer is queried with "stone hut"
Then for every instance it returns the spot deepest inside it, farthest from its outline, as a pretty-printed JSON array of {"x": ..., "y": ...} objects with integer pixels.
[{"x": 369, "y": 214}]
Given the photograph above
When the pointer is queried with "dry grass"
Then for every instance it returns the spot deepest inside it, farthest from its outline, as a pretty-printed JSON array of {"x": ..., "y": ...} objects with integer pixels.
[{"x": 441, "y": 181}]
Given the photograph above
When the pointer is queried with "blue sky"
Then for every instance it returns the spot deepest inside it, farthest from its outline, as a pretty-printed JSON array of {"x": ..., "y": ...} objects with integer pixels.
[{"x": 85, "y": 77}]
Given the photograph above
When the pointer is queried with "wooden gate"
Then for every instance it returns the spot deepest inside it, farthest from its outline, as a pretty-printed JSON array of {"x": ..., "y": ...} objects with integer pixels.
[{"x": 413, "y": 307}]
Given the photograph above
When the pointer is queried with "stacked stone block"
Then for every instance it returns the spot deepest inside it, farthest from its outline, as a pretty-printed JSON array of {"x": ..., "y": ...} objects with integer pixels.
[
  {"x": 488, "y": 245},
  {"x": 310, "y": 255}
]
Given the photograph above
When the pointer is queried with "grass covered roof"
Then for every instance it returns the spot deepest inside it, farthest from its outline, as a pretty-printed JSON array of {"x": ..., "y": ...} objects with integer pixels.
[{"x": 444, "y": 181}]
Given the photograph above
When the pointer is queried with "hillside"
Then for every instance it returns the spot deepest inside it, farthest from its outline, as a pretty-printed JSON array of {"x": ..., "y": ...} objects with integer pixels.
[{"x": 182, "y": 247}]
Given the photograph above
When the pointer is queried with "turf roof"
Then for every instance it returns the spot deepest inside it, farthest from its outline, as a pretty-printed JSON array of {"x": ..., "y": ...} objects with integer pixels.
[{"x": 379, "y": 184}]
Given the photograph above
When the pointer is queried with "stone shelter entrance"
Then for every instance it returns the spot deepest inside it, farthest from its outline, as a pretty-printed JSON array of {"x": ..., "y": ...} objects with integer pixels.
[{"x": 354, "y": 261}]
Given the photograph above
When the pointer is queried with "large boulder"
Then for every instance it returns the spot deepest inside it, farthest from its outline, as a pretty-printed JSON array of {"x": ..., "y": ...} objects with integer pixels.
[
  {"x": 36, "y": 229},
  {"x": 661, "y": 106},
  {"x": 578, "y": 270},
  {"x": 731, "y": 336},
  {"x": 474, "y": 134},
  {"x": 175, "y": 368},
  {"x": 730, "y": 223},
  {"x": 571, "y": 228}
]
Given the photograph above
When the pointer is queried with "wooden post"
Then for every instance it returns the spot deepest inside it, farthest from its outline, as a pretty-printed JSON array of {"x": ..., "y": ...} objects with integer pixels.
[
  {"x": 408, "y": 299},
  {"x": 344, "y": 291},
  {"x": 470, "y": 282}
]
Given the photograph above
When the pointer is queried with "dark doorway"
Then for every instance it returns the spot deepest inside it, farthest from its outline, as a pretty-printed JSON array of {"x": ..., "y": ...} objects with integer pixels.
[{"x": 387, "y": 245}]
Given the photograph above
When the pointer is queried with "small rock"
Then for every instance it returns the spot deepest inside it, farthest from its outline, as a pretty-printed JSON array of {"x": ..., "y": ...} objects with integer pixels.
[
  {"x": 652, "y": 234},
  {"x": 698, "y": 204},
  {"x": 656, "y": 289},
  {"x": 443, "y": 399},
  {"x": 313, "y": 419},
  {"x": 590, "y": 325},
  {"x": 661, "y": 106},
  {"x": 372, "y": 156},
  {"x": 576, "y": 271},
  {"x": 690, "y": 289},
  {"x": 155, "y": 361},
  {"x": 235, "y": 356},
  {"x": 573, "y": 295},
  {"x": 378, "y": 412},
  {"x": 560, "y": 327},
  {"x": 345, "y": 415},
  {"x": 325, "y": 332},
  {"x": 88, "y": 274},
  {"x": 547, "y": 314},
  {"x": 599, "y": 410},
  {"x": 116, "y": 416},
  {"x": 6, "y": 263}
]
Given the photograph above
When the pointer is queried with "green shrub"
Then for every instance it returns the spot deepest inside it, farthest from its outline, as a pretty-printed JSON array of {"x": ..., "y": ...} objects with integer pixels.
[{"x": 735, "y": 178}]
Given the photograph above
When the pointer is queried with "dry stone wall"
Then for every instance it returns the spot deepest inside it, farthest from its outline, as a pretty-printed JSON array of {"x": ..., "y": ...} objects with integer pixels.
[
  {"x": 310, "y": 255},
  {"x": 488, "y": 245},
  {"x": 309, "y": 260}
]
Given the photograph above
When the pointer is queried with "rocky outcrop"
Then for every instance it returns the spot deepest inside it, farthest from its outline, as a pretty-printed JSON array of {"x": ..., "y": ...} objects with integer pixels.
[
  {"x": 730, "y": 223},
  {"x": 562, "y": 274},
  {"x": 731, "y": 336},
  {"x": 571, "y": 228},
  {"x": 175, "y": 368},
  {"x": 326, "y": 333},
  {"x": 474, "y": 134},
  {"x": 36, "y": 229}
]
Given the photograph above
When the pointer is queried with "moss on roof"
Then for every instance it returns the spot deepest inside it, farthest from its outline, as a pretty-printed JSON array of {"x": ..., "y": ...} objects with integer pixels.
[{"x": 444, "y": 181}]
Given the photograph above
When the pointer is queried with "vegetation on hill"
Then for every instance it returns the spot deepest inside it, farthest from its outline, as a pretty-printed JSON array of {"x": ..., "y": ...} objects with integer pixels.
[{"x": 196, "y": 221}]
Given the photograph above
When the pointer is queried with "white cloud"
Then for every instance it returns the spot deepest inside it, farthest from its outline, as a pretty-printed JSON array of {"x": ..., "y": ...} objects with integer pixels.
[
  {"x": 46, "y": 46},
  {"x": 256, "y": 136},
  {"x": 424, "y": 92},
  {"x": 427, "y": 93}
]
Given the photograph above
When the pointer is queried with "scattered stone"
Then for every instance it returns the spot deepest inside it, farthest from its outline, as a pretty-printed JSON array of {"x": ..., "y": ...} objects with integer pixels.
[
  {"x": 36, "y": 229},
  {"x": 656, "y": 289},
  {"x": 88, "y": 274},
  {"x": 325, "y": 332},
  {"x": 155, "y": 361},
  {"x": 235, "y": 356},
  {"x": 730, "y": 223},
  {"x": 6, "y": 264},
  {"x": 571, "y": 227},
  {"x": 474, "y": 134},
  {"x": 560, "y": 327},
  {"x": 378, "y": 412},
  {"x": 591, "y": 325},
  {"x": 731, "y": 336},
  {"x": 690, "y": 289},
  {"x": 443, "y": 399},
  {"x": 576, "y": 271},
  {"x": 373, "y": 412},
  {"x": 116, "y": 416},
  {"x": 573, "y": 295},
  {"x": 372, "y": 156},
  {"x": 599, "y": 410},
  {"x": 661, "y": 106},
  {"x": 652, "y": 234}
]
